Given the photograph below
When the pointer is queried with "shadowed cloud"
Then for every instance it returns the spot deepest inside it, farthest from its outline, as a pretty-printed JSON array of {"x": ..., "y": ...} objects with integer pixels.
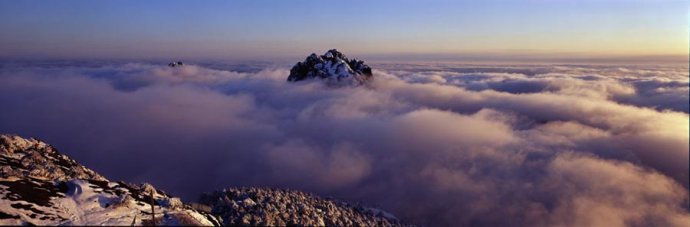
[{"x": 562, "y": 145}]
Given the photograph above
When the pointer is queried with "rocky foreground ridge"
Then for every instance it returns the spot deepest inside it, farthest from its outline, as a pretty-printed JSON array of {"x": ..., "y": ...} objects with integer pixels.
[
  {"x": 332, "y": 66},
  {"x": 280, "y": 207},
  {"x": 40, "y": 186}
]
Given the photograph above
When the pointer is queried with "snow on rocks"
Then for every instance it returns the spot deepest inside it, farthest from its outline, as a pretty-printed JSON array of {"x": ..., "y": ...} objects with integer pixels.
[
  {"x": 270, "y": 207},
  {"x": 21, "y": 157},
  {"x": 40, "y": 186},
  {"x": 333, "y": 67}
]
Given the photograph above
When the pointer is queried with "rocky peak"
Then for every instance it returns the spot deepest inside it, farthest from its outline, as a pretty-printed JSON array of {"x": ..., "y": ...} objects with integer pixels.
[
  {"x": 332, "y": 66},
  {"x": 175, "y": 64},
  {"x": 21, "y": 157}
]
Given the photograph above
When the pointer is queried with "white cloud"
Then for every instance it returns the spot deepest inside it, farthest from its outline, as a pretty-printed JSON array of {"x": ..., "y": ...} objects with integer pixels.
[{"x": 436, "y": 145}]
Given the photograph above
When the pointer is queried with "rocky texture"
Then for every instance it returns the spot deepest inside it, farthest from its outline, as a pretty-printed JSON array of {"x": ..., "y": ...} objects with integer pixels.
[
  {"x": 32, "y": 158},
  {"x": 334, "y": 67},
  {"x": 271, "y": 207},
  {"x": 40, "y": 186},
  {"x": 175, "y": 64}
]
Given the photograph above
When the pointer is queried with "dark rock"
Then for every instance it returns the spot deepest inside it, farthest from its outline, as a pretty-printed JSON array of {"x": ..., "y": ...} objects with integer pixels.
[
  {"x": 175, "y": 64},
  {"x": 332, "y": 66}
]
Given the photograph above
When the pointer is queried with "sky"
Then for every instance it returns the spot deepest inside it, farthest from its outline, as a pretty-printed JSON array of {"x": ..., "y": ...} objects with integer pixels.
[
  {"x": 434, "y": 144},
  {"x": 266, "y": 29}
]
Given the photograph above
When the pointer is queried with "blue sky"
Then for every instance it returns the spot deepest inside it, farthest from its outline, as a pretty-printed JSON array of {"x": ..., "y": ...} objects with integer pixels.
[{"x": 266, "y": 29}]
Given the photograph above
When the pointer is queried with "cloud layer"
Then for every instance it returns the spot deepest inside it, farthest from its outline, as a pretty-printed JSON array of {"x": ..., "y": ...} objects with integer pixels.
[{"x": 435, "y": 144}]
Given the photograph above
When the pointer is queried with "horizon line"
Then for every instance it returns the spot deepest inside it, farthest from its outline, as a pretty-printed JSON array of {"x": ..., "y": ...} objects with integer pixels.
[{"x": 518, "y": 56}]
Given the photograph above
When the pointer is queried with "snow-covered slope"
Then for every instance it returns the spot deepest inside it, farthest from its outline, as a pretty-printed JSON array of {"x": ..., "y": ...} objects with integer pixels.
[
  {"x": 40, "y": 186},
  {"x": 334, "y": 67},
  {"x": 271, "y": 207}
]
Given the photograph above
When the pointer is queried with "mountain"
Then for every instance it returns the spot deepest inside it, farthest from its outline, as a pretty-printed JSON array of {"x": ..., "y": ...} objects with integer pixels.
[
  {"x": 41, "y": 186},
  {"x": 333, "y": 66},
  {"x": 271, "y": 207}
]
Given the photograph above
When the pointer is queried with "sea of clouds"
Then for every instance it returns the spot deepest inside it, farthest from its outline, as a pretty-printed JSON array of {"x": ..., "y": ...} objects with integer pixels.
[{"x": 436, "y": 144}]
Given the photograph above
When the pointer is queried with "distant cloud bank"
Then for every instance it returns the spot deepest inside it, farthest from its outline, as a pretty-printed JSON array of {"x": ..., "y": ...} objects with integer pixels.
[{"x": 437, "y": 144}]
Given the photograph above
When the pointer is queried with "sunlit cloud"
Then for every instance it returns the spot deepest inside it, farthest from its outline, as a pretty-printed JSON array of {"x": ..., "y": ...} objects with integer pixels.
[{"x": 435, "y": 144}]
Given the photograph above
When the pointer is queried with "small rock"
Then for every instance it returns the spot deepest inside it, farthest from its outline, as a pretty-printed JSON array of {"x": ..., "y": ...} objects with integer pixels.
[{"x": 248, "y": 202}]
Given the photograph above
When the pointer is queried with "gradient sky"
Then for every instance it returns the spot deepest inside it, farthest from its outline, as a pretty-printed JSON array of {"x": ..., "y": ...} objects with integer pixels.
[{"x": 262, "y": 29}]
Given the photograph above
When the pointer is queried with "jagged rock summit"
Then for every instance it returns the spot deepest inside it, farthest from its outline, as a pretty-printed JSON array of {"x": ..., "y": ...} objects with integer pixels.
[
  {"x": 175, "y": 64},
  {"x": 334, "y": 67}
]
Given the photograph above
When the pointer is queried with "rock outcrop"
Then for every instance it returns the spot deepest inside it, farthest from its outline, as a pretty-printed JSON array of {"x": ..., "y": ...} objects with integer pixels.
[
  {"x": 41, "y": 186},
  {"x": 280, "y": 207},
  {"x": 175, "y": 64},
  {"x": 334, "y": 67},
  {"x": 31, "y": 158}
]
